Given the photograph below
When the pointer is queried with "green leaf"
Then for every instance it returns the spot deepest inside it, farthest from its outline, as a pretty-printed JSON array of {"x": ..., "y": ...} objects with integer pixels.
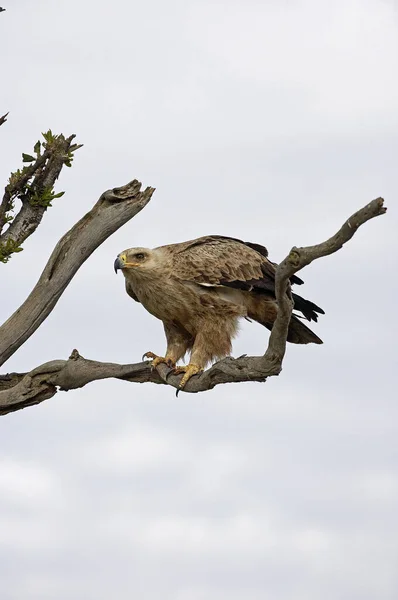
[
  {"x": 59, "y": 195},
  {"x": 27, "y": 157},
  {"x": 49, "y": 136},
  {"x": 7, "y": 249},
  {"x": 36, "y": 147}
]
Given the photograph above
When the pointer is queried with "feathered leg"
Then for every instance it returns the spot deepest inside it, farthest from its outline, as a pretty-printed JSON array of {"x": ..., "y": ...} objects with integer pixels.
[
  {"x": 179, "y": 341},
  {"x": 212, "y": 341}
]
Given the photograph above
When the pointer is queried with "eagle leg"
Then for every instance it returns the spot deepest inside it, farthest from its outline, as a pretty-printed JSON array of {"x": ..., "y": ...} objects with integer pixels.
[
  {"x": 157, "y": 360},
  {"x": 189, "y": 371}
]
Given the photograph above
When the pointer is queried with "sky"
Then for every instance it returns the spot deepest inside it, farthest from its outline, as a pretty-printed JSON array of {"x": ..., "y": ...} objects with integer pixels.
[{"x": 263, "y": 120}]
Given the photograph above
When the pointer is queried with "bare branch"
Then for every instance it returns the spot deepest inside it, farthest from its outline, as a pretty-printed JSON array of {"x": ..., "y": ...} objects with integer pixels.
[
  {"x": 113, "y": 209},
  {"x": 3, "y": 119},
  {"x": 301, "y": 257},
  {"x": 19, "y": 390}
]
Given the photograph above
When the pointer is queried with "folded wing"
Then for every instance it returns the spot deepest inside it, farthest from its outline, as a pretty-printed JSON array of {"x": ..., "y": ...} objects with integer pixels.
[{"x": 217, "y": 260}]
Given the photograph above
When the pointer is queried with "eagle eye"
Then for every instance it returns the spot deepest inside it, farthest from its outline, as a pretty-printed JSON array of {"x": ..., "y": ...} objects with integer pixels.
[{"x": 139, "y": 256}]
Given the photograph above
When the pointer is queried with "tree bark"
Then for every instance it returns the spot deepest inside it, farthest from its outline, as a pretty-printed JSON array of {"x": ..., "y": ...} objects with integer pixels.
[{"x": 113, "y": 209}]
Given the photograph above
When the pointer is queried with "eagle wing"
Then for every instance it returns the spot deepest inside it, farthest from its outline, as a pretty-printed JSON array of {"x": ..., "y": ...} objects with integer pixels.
[
  {"x": 222, "y": 261},
  {"x": 217, "y": 260}
]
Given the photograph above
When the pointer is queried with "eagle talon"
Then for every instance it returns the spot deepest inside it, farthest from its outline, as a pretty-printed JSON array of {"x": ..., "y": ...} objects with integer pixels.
[
  {"x": 157, "y": 360},
  {"x": 189, "y": 371},
  {"x": 171, "y": 372}
]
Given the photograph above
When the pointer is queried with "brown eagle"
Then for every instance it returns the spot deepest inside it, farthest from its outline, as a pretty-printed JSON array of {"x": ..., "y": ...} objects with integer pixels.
[{"x": 201, "y": 288}]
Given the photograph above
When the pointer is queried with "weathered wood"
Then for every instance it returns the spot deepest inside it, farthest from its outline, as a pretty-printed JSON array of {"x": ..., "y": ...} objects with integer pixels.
[{"x": 114, "y": 208}]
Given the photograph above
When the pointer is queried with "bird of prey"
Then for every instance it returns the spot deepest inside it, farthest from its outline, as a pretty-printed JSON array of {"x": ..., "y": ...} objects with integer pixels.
[{"x": 201, "y": 288}]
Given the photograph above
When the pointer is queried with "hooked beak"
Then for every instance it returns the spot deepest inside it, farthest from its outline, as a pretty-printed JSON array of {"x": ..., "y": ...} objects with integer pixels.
[{"x": 119, "y": 262}]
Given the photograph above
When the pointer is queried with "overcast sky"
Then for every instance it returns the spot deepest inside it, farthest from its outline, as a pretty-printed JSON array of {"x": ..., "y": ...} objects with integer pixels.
[{"x": 270, "y": 121}]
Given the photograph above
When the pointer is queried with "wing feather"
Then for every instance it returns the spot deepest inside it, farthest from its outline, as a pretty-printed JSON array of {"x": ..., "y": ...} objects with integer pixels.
[
  {"x": 217, "y": 260},
  {"x": 222, "y": 261},
  {"x": 220, "y": 247}
]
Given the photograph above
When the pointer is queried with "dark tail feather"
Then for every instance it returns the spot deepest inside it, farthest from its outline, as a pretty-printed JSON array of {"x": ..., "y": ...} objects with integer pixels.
[
  {"x": 298, "y": 332},
  {"x": 309, "y": 309}
]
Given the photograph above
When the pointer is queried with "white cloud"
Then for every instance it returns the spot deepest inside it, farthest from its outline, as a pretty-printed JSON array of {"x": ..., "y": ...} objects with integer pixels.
[
  {"x": 378, "y": 487},
  {"x": 25, "y": 483},
  {"x": 138, "y": 449}
]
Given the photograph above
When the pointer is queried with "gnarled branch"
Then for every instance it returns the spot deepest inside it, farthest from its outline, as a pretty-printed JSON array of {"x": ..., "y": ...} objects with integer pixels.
[
  {"x": 19, "y": 390},
  {"x": 113, "y": 209}
]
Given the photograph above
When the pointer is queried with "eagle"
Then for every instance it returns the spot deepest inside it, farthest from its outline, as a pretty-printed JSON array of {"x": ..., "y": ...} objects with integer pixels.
[{"x": 201, "y": 288}]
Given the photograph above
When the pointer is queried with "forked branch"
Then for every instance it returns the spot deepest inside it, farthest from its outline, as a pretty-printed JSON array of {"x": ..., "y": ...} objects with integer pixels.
[
  {"x": 19, "y": 390},
  {"x": 113, "y": 209}
]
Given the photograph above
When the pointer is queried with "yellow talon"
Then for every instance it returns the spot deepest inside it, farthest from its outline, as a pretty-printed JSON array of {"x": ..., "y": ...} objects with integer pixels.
[
  {"x": 188, "y": 371},
  {"x": 157, "y": 360}
]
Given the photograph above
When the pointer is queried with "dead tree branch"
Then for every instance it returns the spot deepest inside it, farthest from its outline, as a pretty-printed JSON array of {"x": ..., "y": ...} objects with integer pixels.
[
  {"x": 19, "y": 390},
  {"x": 302, "y": 257},
  {"x": 113, "y": 209}
]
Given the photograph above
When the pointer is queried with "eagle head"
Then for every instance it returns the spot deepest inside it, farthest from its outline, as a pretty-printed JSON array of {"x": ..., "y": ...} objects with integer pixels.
[{"x": 135, "y": 258}]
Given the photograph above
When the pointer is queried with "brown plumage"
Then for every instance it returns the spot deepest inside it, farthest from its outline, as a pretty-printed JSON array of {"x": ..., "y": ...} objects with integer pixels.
[{"x": 200, "y": 289}]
